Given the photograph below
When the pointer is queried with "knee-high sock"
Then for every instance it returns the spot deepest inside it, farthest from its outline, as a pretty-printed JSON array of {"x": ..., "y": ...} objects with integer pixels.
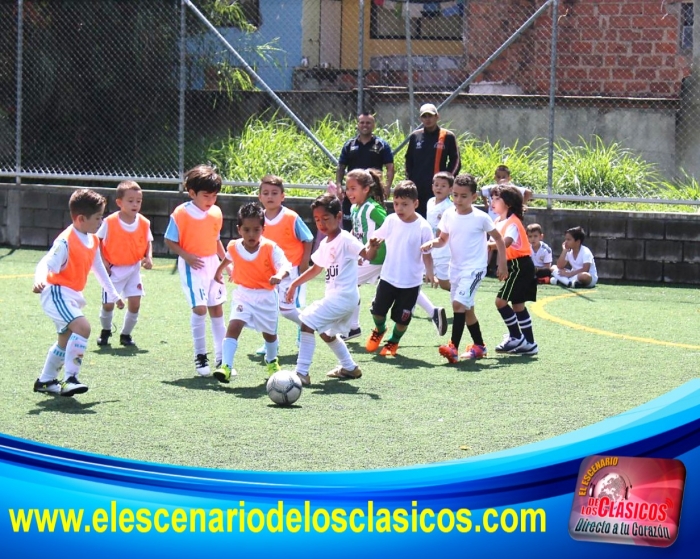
[
  {"x": 425, "y": 303},
  {"x": 475, "y": 333},
  {"x": 525, "y": 323},
  {"x": 106, "y": 319},
  {"x": 307, "y": 345},
  {"x": 271, "y": 349},
  {"x": 340, "y": 350},
  {"x": 459, "y": 319},
  {"x": 198, "y": 325},
  {"x": 130, "y": 320},
  {"x": 54, "y": 361},
  {"x": 355, "y": 324},
  {"x": 75, "y": 349},
  {"x": 508, "y": 315},
  {"x": 230, "y": 345},
  {"x": 291, "y": 314},
  {"x": 218, "y": 330}
]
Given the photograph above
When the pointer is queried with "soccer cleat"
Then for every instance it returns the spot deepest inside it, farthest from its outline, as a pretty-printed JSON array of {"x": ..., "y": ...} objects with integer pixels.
[
  {"x": 509, "y": 344},
  {"x": 440, "y": 320},
  {"x": 126, "y": 340},
  {"x": 526, "y": 349},
  {"x": 341, "y": 373},
  {"x": 374, "y": 340},
  {"x": 304, "y": 379},
  {"x": 104, "y": 337},
  {"x": 273, "y": 366},
  {"x": 201, "y": 365},
  {"x": 390, "y": 348},
  {"x": 574, "y": 284},
  {"x": 474, "y": 352},
  {"x": 354, "y": 333},
  {"x": 48, "y": 387},
  {"x": 261, "y": 350},
  {"x": 553, "y": 281},
  {"x": 71, "y": 386},
  {"x": 224, "y": 373},
  {"x": 449, "y": 352}
]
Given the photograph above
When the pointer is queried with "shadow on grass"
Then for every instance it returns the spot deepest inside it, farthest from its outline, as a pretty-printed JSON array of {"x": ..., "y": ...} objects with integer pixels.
[
  {"x": 67, "y": 405},
  {"x": 403, "y": 361},
  {"x": 285, "y": 361},
  {"x": 9, "y": 253},
  {"x": 121, "y": 351},
  {"x": 196, "y": 383},
  {"x": 340, "y": 386}
]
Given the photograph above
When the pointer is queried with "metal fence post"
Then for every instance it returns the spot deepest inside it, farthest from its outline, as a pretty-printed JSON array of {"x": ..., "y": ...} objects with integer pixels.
[
  {"x": 552, "y": 93},
  {"x": 409, "y": 65},
  {"x": 361, "y": 60},
  {"x": 183, "y": 88},
  {"x": 18, "y": 116}
]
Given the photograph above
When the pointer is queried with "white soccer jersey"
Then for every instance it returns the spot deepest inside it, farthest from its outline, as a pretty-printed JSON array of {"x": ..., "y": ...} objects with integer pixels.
[
  {"x": 584, "y": 256},
  {"x": 543, "y": 256},
  {"x": 434, "y": 214},
  {"x": 467, "y": 240},
  {"x": 339, "y": 258},
  {"x": 403, "y": 265}
]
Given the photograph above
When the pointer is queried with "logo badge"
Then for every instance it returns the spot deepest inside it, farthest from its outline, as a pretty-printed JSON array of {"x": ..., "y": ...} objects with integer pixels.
[{"x": 627, "y": 500}]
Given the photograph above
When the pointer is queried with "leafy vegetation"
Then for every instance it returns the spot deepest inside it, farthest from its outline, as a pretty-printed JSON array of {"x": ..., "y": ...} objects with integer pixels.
[{"x": 588, "y": 168}]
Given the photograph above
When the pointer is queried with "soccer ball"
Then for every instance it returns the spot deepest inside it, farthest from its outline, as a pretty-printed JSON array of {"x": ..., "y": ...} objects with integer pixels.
[{"x": 284, "y": 388}]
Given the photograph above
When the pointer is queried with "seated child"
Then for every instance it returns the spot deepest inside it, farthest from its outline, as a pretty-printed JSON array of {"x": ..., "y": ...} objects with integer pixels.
[
  {"x": 576, "y": 265},
  {"x": 541, "y": 253}
]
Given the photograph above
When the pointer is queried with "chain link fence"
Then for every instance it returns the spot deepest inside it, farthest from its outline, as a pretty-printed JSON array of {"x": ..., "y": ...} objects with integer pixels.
[{"x": 582, "y": 99}]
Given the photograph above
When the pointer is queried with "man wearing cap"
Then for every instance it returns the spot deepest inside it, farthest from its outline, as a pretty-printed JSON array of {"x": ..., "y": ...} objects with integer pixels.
[
  {"x": 431, "y": 149},
  {"x": 365, "y": 151}
]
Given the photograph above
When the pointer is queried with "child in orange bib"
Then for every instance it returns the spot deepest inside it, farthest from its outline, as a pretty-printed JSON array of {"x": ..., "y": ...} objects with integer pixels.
[
  {"x": 60, "y": 278},
  {"x": 521, "y": 284},
  {"x": 259, "y": 266},
  {"x": 194, "y": 235},
  {"x": 126, "y": 244}
]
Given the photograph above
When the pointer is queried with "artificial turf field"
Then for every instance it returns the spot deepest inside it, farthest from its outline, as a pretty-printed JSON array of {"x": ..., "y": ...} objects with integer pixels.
[{"x": 602, "y": 352}]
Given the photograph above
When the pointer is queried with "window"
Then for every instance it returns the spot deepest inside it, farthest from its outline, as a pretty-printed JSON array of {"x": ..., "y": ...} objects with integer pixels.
[
  {"x": 428, "y": 20},
  {"x": 687, "y": 26}
]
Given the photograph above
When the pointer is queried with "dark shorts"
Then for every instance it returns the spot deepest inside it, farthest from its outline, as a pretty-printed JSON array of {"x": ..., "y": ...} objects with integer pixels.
[
  {"x": 400, "y": 300},
  {"x": 521, "y": 285},
  {"x": 347, "y": 217}
]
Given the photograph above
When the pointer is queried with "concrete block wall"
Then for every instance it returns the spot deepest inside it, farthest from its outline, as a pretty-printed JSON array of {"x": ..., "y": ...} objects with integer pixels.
[{"x": 628, "y": 246}]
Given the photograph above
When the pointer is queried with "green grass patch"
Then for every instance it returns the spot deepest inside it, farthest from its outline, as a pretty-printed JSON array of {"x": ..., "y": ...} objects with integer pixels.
[{"x": 146, "y": 404}]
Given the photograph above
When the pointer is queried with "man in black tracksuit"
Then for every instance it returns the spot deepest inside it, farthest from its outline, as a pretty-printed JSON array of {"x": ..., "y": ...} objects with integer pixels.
[{"x": 431, "y": 149}]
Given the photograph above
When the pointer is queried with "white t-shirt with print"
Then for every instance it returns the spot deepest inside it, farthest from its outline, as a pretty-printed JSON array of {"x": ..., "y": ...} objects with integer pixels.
[
  {"x": 543, "y": 256},
  {"x": 403, "y": 265},
  {"x": 339, "y": 257},
  {"x": 585, "y": 256},
  {"x": 467, "y": 240}
]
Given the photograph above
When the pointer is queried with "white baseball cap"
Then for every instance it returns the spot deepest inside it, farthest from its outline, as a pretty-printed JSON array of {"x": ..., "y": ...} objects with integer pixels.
[{"x": 428, "y": 109}]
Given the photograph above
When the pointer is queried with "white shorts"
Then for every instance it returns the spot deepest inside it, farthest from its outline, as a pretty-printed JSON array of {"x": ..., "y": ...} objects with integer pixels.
[
  {"x": 368, "y": 273},
  {"x": 127, "y": 282},
  {"x": 464, "y": 289},
  {"x": 199, "y": 286},
  {"x": 300, "y": 297},
  {"x": 330, "y": 315},
  {"x": 441, "y": 267},
  {"x": 62, "y": 305},
  {"x": 256, "y": 308}
]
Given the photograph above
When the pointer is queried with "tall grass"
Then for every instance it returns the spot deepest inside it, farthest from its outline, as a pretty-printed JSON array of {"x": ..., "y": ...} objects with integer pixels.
[{"x": 587, "y": 168}]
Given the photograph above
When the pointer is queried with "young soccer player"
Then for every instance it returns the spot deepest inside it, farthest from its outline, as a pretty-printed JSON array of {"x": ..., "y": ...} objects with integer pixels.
[
  {"x": 194, "y": 235},
  {"x": 365, "y": 191},
  {"x": 541, "y": 253},
  {"x": 463, "y": 229},
  {"x": 501, "y": 177},
  {"x": 576, "y": 264},
  {"x": 404, "y": 232},
  {"x": 126, "y": 245},
  {"x": 258, "y": 266},
  {"x": 338, "y": 254},
  {"x": 438, "y": 205},
  {"x": 60, "y": 277},
  {"x": 286, "y": 229},
  {"x": 521, "y": 284}
]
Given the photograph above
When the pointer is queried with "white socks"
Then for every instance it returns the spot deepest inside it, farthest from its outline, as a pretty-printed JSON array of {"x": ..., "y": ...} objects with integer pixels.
[
  {"x": 341, "y": 352},
  {"x": 307, "y": 345},
  {"x": 425, "y": 303},
  {"x": 199, "y": 332},
  {"x": 54, "y": 362},
  {"x": 75, "y": 350},
  {"x": 130, "y": 320}
]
